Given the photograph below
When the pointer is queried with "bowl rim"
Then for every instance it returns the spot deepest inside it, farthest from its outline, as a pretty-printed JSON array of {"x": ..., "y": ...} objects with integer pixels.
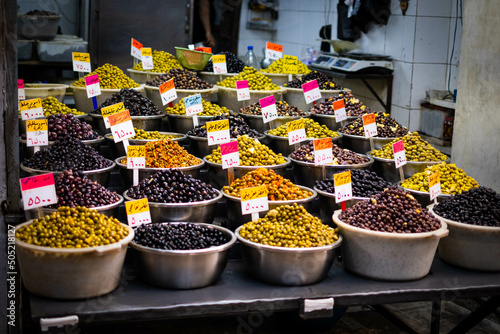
[
  {"x": 190, "y": 252},
  {"x": 279, "y": 117},
  {"x": 163, "y": 114},
  {"x": 93, "y": 171},
  {"x": 340, "y": 135},
  {"x": 285, "y": 202},
  {"x": 274, "y": 91},
  {"x": 197, "y": 91},
  {"x": 108, "y": 90},
  {"x": 439, "y": 233},
  {"x": 213, "y": 164},
  {"x": 214, "y": 74},
  {"x": 330, "y": 195},
  {"x": 288, "y": 249},
  {"x": 418, "y": 192},
  {"x": 98, "y": 208},
  {"x": 196, "y": 138},
  {"x": 124, "y": 166},
  {"x": 326, "y": 91},
  {"x": 353, "y": 166},
  {"x": 363, "y": 137},
  {"x": 97, "y": 249},
  {"x": 97, "y": 140},
  {"x": 131, "y": 70},
  {"x": 52, "y": 86},
  {"x": 279, "y": 75},
  {"x": 109, "y": 136},
  {"x": 409, "y": 162},
  {"x": 349, "y": 118},
  {"x": 206, "y": 117},
  {"x": 455, "y": 223},
  {"x": 46, "y": 117},
  {"x": 179, "y": 205}
]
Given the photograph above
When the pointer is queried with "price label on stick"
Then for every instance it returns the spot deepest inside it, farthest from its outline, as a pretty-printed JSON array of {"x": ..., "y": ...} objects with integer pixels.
[
  {"x": 110, "y": 110},
  {"x": 343, "y": 186},
  {"x": 311, "y": 91},
  {"x": 203, "y": 49},
  {"x": 193, "y": 104},
  {"x": 290, "y": 65},
  {"x": 220, "y": 66},
  {"x": 274, "y": 51},
  {"x": 37, "y": 132},
  {"x": 135, "y": 50},
  {"x": 323, "y": 153},
  {"x": 31, "y": 109},
  {"x": 296, "y": 131},
  {"x": 138, "y": 212},
  {"x": 136, "y": 156},
  {"x": 217, "y": 132},
  {"x": 243, "y": 92},
  {"x": 147, "y": 58},
  {"x": 369, "y": 125},
  {"x": 399, "y": 153},
  {"x": 93, "y": 86},
  {"x": 21, "y": 95},
  {"x": 268, "y": 106},
  {"x": 254, "y": 199},
  {"x": 38, "y": 191},
  {"x": 434, "y": 185},
  {"x": 339, "y": 108},
  {"x": 121, "y": 126},
  {"x": 81, "y": 62},
  {"x": 230, "y": 154},
  {"x": 168, "y": 92}
]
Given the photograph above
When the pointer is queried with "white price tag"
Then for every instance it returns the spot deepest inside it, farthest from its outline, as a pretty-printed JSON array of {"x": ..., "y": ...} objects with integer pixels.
[
  {"x": 323, "y": 153},
  {"x": 254, "y": 199},
  {"x": 230, "y": 154},
  {"x": 218, "y": 132},
  {"x": 193, "y": 104},
  {"x": 268, "y": 106},
  {"x": 243, "y": 92},
  {"x": 121, "y": 126},
  {"x": 274, "y": 51},
  {"x": 136, "y": 49},
  {"x": 296, "y": 131},
  {"x": 399, "y": 153},
  {"x": 21, "y": 95},
  {"x": 311, "y": 91},
  {"x": 168, "y": 92},
  {"x": 38, "y": 191},
  {"x": 37, "y": 133},
  {"x": 31, "y": 109},
  {"x": 343, "y": 186},
  {"x": 147, "y": 58},
  {"x": 339, "y": 108},
  {"x": 434, "y": 185},
  {"x": 81, "y": 62},
  {"x": 369, "y": 125},
  {"x": 136, "y": 156},
  {"x": 220, "y": 66},
  {"x": 138, "y": 212},
  {"x": 93, "y": 86}
]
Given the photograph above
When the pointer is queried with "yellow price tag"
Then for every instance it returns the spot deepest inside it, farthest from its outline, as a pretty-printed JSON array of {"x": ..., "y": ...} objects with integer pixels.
[
  {"x": 253, "y": 193},
  {"x": 342, "y": 178},
  {"x": 147, "y": 52},
  {"x": 290, "y": 69},
  {"x": 290, "y": 59},
  {"x": 112, "y": 109},
  {"x": 295, "y": 125},
  {"x": 136, "y": 151},
  {"x": 218, "y": 59},
  {"x": 434, "y": 179},
  {"x": 138, "y": 206},
  {"x": 81, "y": 56},
  {"x": 30, "y": 104},
  {"x": 37, "y": 125},
  {"x": 218, "y": 125}
]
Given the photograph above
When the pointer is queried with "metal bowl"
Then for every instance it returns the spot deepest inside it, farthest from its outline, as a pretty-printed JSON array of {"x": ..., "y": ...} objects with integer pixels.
[
  {"x": 388, "y": 256},
  {"x": 183, "y": 269},
  {"x": 307, "y": 173},
  {"x": 28, "y": 151},
  {"x": 295, "y": 96},
  {"x": 83, "y": 103},
  {"x": 327, "y": 205},
  {"x": 218, "y": 176},
  {"x": 280, "y": 144},
  {"x": 127, "y": 175},
  {"x": 469, "y": 246},
  {"x": 184, "y": 123},
  {"x": 117, "y": 149},
  {"x": 287, "y": 266},
  {"x": 142, "y": 76},
  {"x": 236, "y": 219},
  {"x": 196, "y": 212},
  {"x": 101, "y": 176},
  {"x": 386, "y": 168},
  {"x": 198, "y": 146},
  {"x": 153, "y": 93},
  {"x": 361, "y": 144},
  {"x": 329, "y": 120},
  {"x": 110, "y": 210},
  {"x": 227, "y": 97},
  {"x": 424, "y": 198},
  {"x": 147, "y": 123},
  {"x": 257, "y": 122}
]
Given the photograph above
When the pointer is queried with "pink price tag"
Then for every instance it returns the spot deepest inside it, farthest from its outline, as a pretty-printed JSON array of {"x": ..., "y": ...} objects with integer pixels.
[
  {"x": 92, "y": 79},
  {"x": 38, "y": 181},
  {"x": 242, "y": 84},
  {"x": 230, "y": 154},
  {"x": 310, "y": 86},
  {"x": 311, "y": 91},
  {"x": 267, "y": 101},
  {"x": 398, "y": 146},
  {"x": 21, "y": 95},
  {"x": 230, "y": 147},
  {"x": 20, "y": 84},
  {"x": 399, "y": 153}
]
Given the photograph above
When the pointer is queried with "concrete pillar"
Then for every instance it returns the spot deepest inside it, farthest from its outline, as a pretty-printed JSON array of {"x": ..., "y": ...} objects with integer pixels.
[{"x": 476, "y": 137}]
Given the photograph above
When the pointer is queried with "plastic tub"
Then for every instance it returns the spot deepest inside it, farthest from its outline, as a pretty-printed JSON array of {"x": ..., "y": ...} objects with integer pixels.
[
  {"x": 60, "y": 50},
  {"x": 191, "y": 59},
  {"x": 295, "y": 96},
  {"x": 71, "y": 273},
  {"x": 213, "y": 78},
  {"x": 147, "y": 123},
  {"x": 227, "y": 97},
  {"x": 42, "y": 27},
  {"x": 142, "y": 76},
  {"x": 83, "y": 103},
  {"x": 388, "y": 256},
  {"x": 43, "y": 90},
  {"x": 327, "y": 205},
  {"x": 153, "y": 93}
]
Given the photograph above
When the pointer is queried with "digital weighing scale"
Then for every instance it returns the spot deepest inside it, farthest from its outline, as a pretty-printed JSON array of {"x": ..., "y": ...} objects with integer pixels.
[{"x": 355, "y": 63}]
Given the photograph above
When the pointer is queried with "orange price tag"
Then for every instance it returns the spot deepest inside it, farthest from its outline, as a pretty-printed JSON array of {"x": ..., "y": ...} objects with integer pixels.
[
  {"x": 118, "y": 118},
  {"x": 166, "y": 86},
  {"x": 323, "y": 144},
  {"x": 368, "y": 119},
  {"x": 434, "y": 179},
  {"x": 136, "y": 44},
  {"x": 342, "y": 178},
  {"x": 203, "y": 49},
  {"x": 274, "y": 47}
]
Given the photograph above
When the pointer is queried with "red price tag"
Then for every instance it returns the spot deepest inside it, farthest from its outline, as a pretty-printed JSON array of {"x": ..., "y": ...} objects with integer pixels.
[
  {"x": 38, "y": 191},
  {"x": 136, "y": 49},
  {"x": 311, "y": 91},
  {"x": 230, "y": 154},
  {"x": 243, "y": 92},
  {"x": 369, "y": 125},
  {"x": 21, "y": 95},
  {"x": 399, "y": 153},
  {"x": 274, "y": 51},
  {"x": 168, "y": 92},
  {"x": 203, "y": 49},
  {"x": 339, "y": 108}
]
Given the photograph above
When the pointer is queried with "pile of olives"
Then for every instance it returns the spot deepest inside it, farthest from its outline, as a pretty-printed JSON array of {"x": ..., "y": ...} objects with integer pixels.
[
  {"x": 341, "y": 156},
  {"x": 277, "y": 66},
  {"x": 162, "y": 63},
  {"x": 148, "y": 135},
  {"x": 324, "y": 82},
  {"x": 313, "y": 130},
  {"x": 183, "y": 79},
  {"x": 256, "y": 80},
  {"x": 233, "y": 64},
  {"x": 387, "y": 127},
  {"x": 110, "y": 77},
  {"x": 51, "y": 106},
  {"x": 209, "y": 109},
  {"x": 365, "y": 183},
  {"x": 136, "y": 103},
  {"x": 62, "y": 125},
  {"x": 237, "y": 127},
  {"x": 353, "y": 106},
  {"x": 283, "y": 108},
  {"x": 416, "y": 149}
]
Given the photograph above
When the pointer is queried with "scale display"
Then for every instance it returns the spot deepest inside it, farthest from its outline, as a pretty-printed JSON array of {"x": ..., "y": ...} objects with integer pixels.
[{"x": 347, "y": 64}]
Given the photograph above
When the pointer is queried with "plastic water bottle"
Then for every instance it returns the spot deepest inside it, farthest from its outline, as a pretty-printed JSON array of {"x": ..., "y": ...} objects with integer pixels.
[{"x": 250, "y": 58}]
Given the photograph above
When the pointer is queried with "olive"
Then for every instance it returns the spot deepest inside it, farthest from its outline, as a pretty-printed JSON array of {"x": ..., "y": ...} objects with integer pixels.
[
  {"x": 340, "y": 156},
  {"x": 387, "y": 127},
  {"x": 313, "y": 130},
  {"x": 324, "y": 82},
  {"x": 162, "y": 63},
  {"x": 277, "y": 66},
  {"x": 136, "y": 103},
  {"x": 183, "y": 79},
  {"x": 353, "y": 106},
  {"x": 283, "y": 109},
  {"x": 416, "y": 149},
  {"x": 110, "y": 77},
  {"x": 256, "y": 80},
  {"x": 233, "y": 64},
  {"x": 209, "y": 109}
]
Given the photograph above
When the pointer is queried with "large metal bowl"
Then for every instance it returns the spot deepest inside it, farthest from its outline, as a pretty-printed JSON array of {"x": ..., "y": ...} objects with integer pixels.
[
  {"x": 72, "y": 273},
  {"x": 110, "y": 210},
  {"x": 327, "y": 205},
  {"x": 218, "y": 176},
  {"x": 361, "y": 144},
  {"x": 183, "y": 269},
  {"x": 127, "y": 175},
  {"x": 307, "y": 173},
  {"x": 101, "y": 176},
  {"x": 280, "y": 144},
  {"x": 198, "y": 146},
  {"x": 153, "y": 94},
  {"x": 147, "y": 123},
  {"x": 257, "y": 122},
  {"x": 329, "y": 120},
  {"x": 227, "y": 97},
  {"x": 196, "y": 212},
  {"x": 236, "y": 219},
  {"x": 287, "y": 266},
  {"x": 386, "y": 168},
  {"x": 295, "y": 96},
  {"x": 213, "y": 78},
  {"x": 83, "y": 103},
  {"x": 28, "y": 151},
  {"x": 470, "y": 246},
  {"x": 388, "y": 256},
  {"x": 184, "y": 123},
  {"x": 117, "y": 149},
  {"x": 424, "y": 198},
  {"x": 142, "y": 76}
]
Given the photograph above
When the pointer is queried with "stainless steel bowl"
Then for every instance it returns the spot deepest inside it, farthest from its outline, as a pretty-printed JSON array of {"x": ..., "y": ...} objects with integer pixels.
[
  {"x": 280, "y": 144},
  {"x": 28, "y": 151},
  {"x": 110, "y": 210},
  {"x": 147, "y": 123},
  {"x": 196, "y": 212},
  {"x": 227, "y": 97},
  {"x": 83, "y": 103},
  {"x": 218, "y": 176},
  {"x": 287, "y": 266},
  {"x": 386, "y": 168},
  {"x": 198, "y": 146},
  {"x": 183, "y": 269},
  {"x": 327, "y": 205},
  {"x": 236, "y": 219},
  {"x": 257, "y": 122},
  {"x": 424, "y": 198},
  {"x": 153, "y": 93},
  {"x": 307, "y": 173},
  {"x": 101, "y": 176},
  {"x": 127, "y": 175},
  {"x": 361, "y": 144},
  {"x": 117, "y": 149},
  {"x": 329, "y": 120},
  {"x": 184, "y": 123},
  {"x": 295, "y": 96}
]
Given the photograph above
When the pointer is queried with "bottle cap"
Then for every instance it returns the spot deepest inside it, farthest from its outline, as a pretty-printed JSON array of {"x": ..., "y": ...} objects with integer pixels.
[{"x": 250, "y": 47}]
